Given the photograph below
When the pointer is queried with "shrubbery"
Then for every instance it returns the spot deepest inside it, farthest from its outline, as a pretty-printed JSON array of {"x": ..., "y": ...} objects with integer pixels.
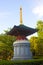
[
  {"x": 6, "y": 46},
  {"x": 23, "y": 62}
]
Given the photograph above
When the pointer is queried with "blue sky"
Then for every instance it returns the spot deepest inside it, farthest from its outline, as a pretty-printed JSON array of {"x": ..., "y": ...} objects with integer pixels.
[{"x": 32, "y": 11}]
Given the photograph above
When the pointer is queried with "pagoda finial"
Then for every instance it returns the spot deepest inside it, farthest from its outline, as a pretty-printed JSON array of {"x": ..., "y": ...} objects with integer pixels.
[{"x": 20, "y": 15}]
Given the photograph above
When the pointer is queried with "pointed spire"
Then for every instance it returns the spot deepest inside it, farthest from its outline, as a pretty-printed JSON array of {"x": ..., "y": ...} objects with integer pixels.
[{"x": 20, "y": 15}]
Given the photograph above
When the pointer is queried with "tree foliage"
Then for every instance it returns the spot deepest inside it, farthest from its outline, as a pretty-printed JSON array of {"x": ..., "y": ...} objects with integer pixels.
[
  {"x": 37, "y": 42},
  {"x": 40, "y": 28},
  {"x": 6, "y": 46}
]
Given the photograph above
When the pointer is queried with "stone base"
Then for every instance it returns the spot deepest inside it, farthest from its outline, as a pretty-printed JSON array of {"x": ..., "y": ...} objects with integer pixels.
[
  {"x": 21, "y": 58},
  {"x": 22, "y": 50}
]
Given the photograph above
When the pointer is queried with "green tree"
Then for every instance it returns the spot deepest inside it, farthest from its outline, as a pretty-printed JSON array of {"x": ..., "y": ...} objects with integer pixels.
[
  {"x": 40, "y": 47},
  {"x": 40, "y": 36},
  {"x": 40, "y": 29},
  {"x": 33, "y": 44},
  {"x": 37, "y": 42},
  {"x": 6, "y": 46}
]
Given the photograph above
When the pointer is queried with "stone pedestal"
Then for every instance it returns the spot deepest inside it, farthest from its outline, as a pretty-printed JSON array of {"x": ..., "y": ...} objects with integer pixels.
[{"x": 22, "y": 50}]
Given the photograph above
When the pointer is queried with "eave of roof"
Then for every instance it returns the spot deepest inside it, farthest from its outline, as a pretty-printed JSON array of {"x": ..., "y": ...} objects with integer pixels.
[{"x": 21, "y": 30}]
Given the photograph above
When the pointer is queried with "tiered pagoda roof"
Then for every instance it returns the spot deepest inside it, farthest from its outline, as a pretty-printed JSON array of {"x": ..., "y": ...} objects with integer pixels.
[{"x": 21, "y": 30}]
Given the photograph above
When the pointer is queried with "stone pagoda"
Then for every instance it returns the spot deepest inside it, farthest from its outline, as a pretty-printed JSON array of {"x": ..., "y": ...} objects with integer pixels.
[{"x": 21, "y": 45}]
